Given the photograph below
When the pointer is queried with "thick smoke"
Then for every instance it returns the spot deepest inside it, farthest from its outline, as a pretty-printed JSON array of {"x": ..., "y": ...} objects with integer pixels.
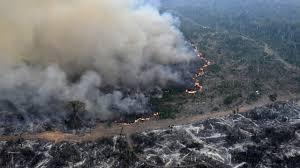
[{"x": 53, "y": 51}]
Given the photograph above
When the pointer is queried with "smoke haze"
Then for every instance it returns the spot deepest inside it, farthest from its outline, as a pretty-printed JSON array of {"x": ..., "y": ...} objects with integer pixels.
[{"x": 59, "y": 50}]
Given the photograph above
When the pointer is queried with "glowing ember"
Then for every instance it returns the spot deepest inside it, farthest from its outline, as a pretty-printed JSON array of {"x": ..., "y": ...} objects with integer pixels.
[
  {"x": 156, "y": 114},
  {"x": 200, "y": 72},
  {"x": 141, "y": 120},
  {"x": 191, "y": 92}
]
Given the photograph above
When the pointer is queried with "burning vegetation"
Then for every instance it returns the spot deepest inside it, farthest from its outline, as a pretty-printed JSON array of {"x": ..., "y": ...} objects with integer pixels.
[
  {"x": 111, "y": 62},
  {"x": 198, "y": 87}
]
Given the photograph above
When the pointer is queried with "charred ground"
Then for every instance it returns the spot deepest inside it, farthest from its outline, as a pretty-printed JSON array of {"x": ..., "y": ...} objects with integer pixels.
[{"x": 262, "y": 137}]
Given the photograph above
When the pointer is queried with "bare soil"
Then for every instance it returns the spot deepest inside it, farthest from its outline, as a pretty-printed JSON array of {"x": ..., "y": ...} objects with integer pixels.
[{"x": 103, "y": 131}]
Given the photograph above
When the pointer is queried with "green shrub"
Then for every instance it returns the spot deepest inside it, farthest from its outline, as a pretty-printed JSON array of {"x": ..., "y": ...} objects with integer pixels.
[
  {"x": 227, "y": 86},
  {"x": 257, "y": 84},
  {"x": 273, "y": 97},
  {"x": 231, "y": 98},
  {"x": 253, "y": 96},
  {"x": 165, "y": 110},
  {"x": 109, "y": 124},
  {"x": 214, "y": 68},
  {"x": 297, "y": 79}
]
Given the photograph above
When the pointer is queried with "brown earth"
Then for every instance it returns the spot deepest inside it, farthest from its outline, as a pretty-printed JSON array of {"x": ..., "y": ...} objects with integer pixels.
[{"x": 103, "y": 131}]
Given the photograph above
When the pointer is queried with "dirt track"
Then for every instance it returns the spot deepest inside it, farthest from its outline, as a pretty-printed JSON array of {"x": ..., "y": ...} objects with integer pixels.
[{"x": 102, "y": 130}]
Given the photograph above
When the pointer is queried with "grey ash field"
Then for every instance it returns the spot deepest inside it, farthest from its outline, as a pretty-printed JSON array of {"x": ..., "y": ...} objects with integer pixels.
[{"x": 268, "y": 136}]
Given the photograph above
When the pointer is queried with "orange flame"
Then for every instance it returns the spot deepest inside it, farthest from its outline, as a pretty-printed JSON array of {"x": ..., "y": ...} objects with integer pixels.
[
  {"x": 200, "y": 72},
  {"x": 141, "y": 119}
]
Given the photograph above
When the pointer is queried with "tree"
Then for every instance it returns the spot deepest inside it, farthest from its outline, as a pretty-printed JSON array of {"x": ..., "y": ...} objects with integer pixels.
[
  {"x": 273, "y": 97},
  {"x": 75, "y": 107}
]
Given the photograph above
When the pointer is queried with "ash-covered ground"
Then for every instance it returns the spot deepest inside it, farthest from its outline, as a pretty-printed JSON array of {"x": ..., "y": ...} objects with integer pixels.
[
  {"x": 129, "y": 104},
  {"x": 268, "y": 136}
]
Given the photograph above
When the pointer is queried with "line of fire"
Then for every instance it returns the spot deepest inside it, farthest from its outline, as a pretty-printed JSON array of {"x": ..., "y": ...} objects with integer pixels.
[{"x": 198, "y": 87}]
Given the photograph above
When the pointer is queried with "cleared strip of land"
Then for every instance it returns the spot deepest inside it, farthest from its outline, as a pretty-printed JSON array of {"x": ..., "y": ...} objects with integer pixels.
[{"x": 103, "y": 131}]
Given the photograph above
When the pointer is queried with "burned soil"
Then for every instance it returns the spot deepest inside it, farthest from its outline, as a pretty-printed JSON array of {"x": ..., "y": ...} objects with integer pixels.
[{"x": 268, "y": 136}]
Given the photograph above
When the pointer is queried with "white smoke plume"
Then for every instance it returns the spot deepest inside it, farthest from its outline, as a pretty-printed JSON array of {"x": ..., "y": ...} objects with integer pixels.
[{"x": 69, "y": 49}]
